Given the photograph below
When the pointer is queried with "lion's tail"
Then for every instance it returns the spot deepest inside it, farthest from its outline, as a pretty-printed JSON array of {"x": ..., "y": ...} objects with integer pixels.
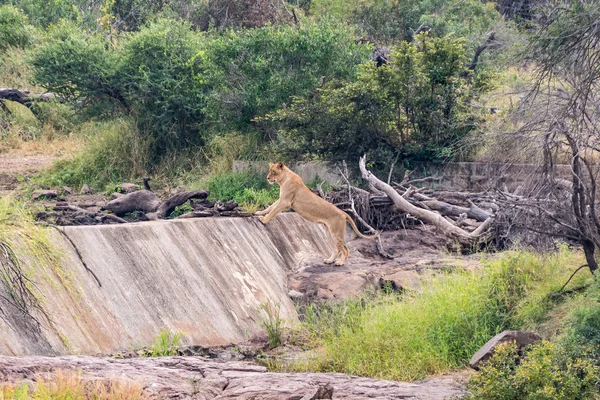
[{"x": 359, "y": 233}]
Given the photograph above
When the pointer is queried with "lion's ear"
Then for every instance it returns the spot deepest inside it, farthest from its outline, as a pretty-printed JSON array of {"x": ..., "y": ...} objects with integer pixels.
[
  {"x": 270, "y": 164},
  {"x": 279, "y": 164}
]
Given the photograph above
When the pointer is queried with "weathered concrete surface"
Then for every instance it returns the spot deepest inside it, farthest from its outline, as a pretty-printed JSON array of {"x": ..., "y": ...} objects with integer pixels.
[
  {"x": 204, "y": 277},
  {"x": 198, "y": 378}
]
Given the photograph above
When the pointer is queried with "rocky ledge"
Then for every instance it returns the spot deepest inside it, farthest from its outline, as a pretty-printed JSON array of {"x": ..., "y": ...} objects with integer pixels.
[{"x": 200, "y": 378}]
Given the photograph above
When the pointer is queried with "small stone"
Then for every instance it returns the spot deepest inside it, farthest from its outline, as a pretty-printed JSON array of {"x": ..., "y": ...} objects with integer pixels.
[
  {"x": 115, "y": 195},
  {"x": 67, "y": 189},
  {"x": 44, "y": 194},
  {"x": 295, "y": 295},
  {"x": 127, "y": 187},
  {"x": 85, "y": 189}
]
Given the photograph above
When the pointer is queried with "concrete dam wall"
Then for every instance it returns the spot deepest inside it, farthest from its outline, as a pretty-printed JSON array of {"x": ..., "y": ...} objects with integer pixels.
[{"x": 204, "y": 277}]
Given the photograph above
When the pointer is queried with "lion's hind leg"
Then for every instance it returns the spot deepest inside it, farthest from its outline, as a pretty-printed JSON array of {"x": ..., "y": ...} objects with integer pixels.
[{"x": 338, "y": 231}]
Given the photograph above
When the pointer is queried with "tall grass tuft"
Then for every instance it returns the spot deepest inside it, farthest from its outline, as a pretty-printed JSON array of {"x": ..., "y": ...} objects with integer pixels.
[
  {"x": 71, "y": 385},
  {"x": 273, "y": 324},
  {"x": 437, "y": 329},
  {"x": 166, "y": 343}
]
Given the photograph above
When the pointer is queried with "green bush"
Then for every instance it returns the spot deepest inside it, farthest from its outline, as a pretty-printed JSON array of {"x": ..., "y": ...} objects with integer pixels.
[
  {"x": 256, "y": 71},
  {"x": 545, "y": 372},
  {"x": 431, "y": 331},
  {"x": 15, "y": 30},
  {"x": 156, "y": 75},
  {"x": 417, "y": 105},
  {"x": 77, "y": 66},
  {"x": 248, "y": 189},
  {"x": 48, "y": 12}
]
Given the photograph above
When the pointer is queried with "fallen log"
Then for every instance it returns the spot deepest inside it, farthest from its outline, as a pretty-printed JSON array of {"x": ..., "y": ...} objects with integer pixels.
[
  {"x": 142, "y": 200},
  {"x": 167, "y": 206}
]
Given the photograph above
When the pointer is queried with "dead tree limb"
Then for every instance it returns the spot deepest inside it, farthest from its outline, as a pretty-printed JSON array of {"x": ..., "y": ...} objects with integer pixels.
[
  {"x": 466, "y": 239},
  {"x": 370, "y": 229}
]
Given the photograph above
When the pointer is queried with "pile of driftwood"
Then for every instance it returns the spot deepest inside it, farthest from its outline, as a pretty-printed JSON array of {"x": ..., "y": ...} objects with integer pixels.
[{"x": 465, "y": 218}]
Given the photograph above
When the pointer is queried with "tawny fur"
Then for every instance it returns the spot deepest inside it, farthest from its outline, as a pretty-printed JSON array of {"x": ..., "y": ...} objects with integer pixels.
[{"x": 294, "y": 194}]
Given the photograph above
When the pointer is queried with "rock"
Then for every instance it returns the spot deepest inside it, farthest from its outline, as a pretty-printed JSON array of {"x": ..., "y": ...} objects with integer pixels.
[
  {"x": 295, "y": 295},
  {"x": 67, "y": 189},
  {"x": 44, "y": 194},
  {"x": 520, "y": 338},
  {"x": 85, "y": 189},
  {"x": 200, "y": 378},
  {"x": 128, "y": 187},
  {"x": 115, "y": 195}
]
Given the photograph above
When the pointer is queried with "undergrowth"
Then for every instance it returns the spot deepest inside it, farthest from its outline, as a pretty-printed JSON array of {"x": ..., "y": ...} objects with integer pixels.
[
  {"x": 65, "y": 384},
  {"x": 437, "y": 329},
  {"x": 19, "y": 235}
]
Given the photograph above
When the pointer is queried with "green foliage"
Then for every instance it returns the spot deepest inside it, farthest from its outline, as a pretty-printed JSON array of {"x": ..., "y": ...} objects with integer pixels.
[
  {"x": 417, "y": 105},
  {"x": 273, "y": 324},
  {"x": 243, "y": 188},
  {"x": 393, "y": 21},
  {"x": 48, "y": 12},
  {"x": 166, "y": 343},
  {"x": 257, "y": 71},
  {"x": 156, "y": 76},
  {"x": 434, "y": 330},
  {"x": 75, "y": 65},
  {"x": 546, "y": 372},
  {"x": 14, "y": 28}
]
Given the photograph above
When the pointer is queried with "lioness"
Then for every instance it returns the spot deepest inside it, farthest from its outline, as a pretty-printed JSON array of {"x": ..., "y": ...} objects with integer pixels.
[{"x": 295, "y": 195}]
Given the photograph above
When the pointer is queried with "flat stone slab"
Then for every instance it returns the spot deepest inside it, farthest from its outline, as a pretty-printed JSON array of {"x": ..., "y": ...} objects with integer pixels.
[{"x": 200, "y": 378}]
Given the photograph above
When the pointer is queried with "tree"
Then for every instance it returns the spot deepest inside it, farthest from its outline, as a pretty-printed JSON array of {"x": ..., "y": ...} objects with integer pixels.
[
  {"x": 416, "y": 106},
  {"x": 559, "y": 122}
]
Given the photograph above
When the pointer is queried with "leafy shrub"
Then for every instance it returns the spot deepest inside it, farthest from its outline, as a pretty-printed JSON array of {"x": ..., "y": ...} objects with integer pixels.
[
  {"x": 49, "y": 12},
  {"x": 545, "y": 372},
  {"x": 417, "y": 105},
  {"x": 76, "y": 66},
  {"x": 257, "y": 71},
  {"x": 156, "y": 77},
  {"x": 14, "y": 28}
]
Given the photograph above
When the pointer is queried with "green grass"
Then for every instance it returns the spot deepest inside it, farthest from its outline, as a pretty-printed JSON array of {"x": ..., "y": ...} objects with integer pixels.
[
  {"x": 273, "y": 324},
  {"x": 438, "y": 329},
  {"x": 166, "y": 343},
  {"x": 114, "y": 153}
]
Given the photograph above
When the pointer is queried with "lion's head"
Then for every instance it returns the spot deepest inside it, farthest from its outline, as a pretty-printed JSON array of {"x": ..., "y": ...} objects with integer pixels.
[{"x": 275, "y": 172}]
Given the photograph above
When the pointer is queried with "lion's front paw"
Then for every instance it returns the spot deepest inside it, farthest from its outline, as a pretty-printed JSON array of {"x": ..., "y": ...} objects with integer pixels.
[
  {"x": 262, "y": 219},
  {"x": 259, "y": 212}
]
